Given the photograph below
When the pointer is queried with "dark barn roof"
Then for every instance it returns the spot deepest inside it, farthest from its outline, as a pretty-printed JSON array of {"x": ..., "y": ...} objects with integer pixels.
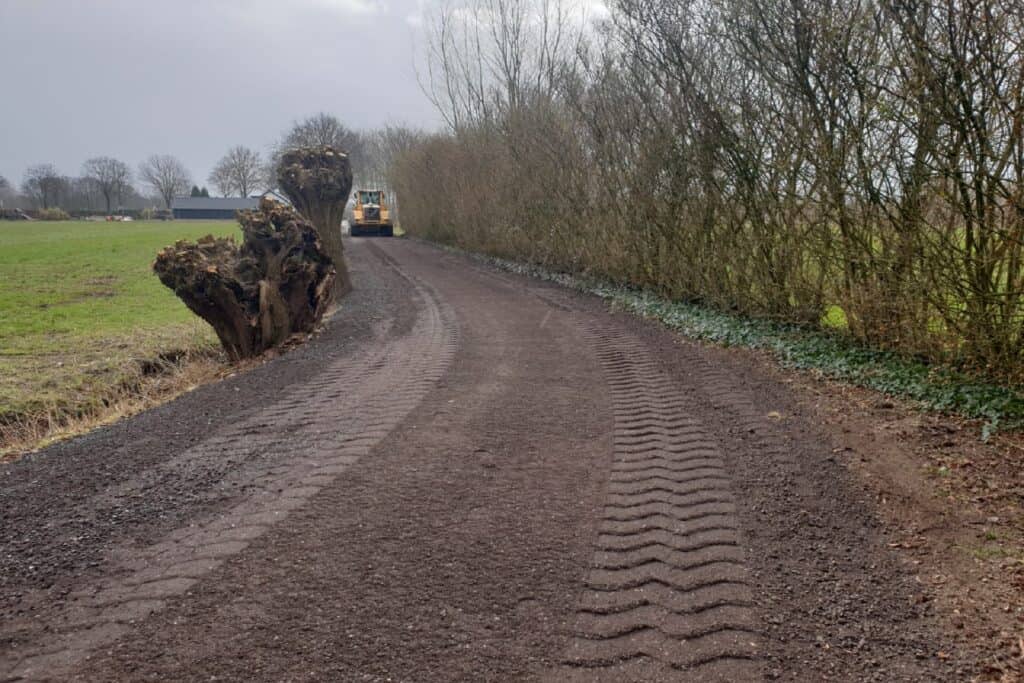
[
  {"x": 211, "y": 207},
  {"x": 223, "y": 203}
]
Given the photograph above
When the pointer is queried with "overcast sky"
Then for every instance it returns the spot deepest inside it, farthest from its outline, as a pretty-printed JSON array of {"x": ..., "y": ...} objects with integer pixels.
[{"x": 130, "y": 78}]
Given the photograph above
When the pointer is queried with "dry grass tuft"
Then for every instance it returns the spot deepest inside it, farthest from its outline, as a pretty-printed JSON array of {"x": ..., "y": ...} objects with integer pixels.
[{"x": 151, "y": 382}]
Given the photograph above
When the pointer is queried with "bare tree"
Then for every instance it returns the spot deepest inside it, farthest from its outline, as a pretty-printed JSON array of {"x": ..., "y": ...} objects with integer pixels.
[
  {"x": 240, "y": 171},
  {"x": 44, "y": 184},
  {"x": 487, "y": 57},
  {"x": 321, "y": 130},
  {"x": 221, "y": 179},
  {"x": 166, "y": 175},
  {"x": 111, "y": 176},
  {"x": 268, "y": 171},
  {"x": 381, "y": 149},
  {"x": 84, "y": 193}
]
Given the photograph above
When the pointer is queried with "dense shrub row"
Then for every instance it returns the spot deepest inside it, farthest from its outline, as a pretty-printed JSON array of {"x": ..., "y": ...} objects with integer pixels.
[
  {"x": 50, "y": 214},
  {"x": 850, "y": 164}
]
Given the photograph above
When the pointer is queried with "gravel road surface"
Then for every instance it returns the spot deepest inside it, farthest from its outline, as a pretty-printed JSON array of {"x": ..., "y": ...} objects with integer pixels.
[{"x": 467, "y": 476}]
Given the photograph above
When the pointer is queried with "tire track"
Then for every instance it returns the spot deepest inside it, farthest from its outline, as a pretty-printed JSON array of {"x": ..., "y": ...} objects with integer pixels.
[
  {"x": 667, "y": 591},
  {"x": 286, "y": 453}
]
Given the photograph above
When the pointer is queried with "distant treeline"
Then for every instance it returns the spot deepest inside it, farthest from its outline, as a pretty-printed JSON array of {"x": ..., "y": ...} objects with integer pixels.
[
  {"x": 110, "y": 186},
  {"x": 58, "y": 214},
  {"x": 50, "y": 190},
  {"x": 856, "y": 164}
]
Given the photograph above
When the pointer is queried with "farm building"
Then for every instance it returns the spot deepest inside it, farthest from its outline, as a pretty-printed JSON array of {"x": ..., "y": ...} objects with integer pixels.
[{"x": 211, "y": 207}]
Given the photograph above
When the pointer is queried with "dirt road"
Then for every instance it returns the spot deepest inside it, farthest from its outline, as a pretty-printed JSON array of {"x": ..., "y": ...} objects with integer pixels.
[{"x": 468, "y": 476}]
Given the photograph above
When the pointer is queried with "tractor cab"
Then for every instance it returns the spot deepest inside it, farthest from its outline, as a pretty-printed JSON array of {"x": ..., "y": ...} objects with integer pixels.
[{"x": 370, "y": 215}]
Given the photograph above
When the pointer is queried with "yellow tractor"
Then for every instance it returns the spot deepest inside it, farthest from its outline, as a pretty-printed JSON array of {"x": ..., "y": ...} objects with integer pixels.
[{"x": 370, "y": 216}]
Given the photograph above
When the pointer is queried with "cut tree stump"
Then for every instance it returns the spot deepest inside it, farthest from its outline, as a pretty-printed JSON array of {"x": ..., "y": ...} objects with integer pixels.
[
  {"x": 276, "y": 284},
  {"x": 317, "y": 181}
]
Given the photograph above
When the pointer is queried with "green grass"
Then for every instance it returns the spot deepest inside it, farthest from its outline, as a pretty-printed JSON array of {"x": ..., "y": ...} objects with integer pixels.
[{"x": 79, "y": 307}]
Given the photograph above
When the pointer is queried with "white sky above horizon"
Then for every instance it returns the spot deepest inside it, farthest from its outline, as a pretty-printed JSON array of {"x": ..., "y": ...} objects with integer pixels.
[{"x": 130, "y": 78}]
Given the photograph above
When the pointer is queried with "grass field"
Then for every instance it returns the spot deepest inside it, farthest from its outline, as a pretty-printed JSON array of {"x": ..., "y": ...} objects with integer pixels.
[{"x": 81, "y": 311}]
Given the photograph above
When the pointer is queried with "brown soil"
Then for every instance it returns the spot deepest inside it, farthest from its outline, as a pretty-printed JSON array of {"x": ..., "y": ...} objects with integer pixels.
[
  {"x": 473, "y": 476},
  {"x": 953, "y": 505}
]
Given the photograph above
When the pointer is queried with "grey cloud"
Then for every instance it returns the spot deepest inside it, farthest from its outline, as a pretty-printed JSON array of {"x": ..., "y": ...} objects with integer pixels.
[{"x": 129, "y": 78}]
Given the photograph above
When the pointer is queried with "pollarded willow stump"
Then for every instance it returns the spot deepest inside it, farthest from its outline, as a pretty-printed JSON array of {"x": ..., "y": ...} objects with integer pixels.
[
  {"x": 277, "y": 284},
  {"x": 318, "y": 180}
]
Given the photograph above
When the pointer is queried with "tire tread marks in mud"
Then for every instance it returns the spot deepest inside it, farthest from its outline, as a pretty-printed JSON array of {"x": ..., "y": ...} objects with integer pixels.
[
  {"x": 667, "y": 592},
  {"x": 296, "y": 446}
]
